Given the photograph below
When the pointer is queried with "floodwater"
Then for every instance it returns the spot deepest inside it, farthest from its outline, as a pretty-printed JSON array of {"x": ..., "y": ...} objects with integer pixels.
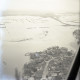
[{"x": 25, "y": 34}]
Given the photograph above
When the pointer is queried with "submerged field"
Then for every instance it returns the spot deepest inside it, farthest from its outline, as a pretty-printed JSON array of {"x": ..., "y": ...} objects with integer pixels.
[{"x": 30, "y": 34}]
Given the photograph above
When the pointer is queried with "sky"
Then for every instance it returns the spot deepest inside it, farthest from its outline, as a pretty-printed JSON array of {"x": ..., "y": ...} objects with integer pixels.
[{"x": 40, "y": 5}]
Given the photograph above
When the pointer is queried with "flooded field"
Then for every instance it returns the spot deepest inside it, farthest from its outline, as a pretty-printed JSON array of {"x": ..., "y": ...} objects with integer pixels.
[{"x": 25, "y": 35}]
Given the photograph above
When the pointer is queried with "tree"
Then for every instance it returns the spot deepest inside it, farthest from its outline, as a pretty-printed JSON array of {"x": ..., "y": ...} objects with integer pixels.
[
  {"x": 46, "y": 63},
  {"x": 76, "y": 33}
]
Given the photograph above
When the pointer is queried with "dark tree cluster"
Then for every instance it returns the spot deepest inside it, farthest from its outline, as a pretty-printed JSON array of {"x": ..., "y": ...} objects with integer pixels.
[
  {"x": 76, "y": 33},
  {"x": 50, "y": 64}
]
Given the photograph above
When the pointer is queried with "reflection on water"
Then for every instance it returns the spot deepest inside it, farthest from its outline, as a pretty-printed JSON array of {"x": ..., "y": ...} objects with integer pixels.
[{"x": 28, "y": 34}]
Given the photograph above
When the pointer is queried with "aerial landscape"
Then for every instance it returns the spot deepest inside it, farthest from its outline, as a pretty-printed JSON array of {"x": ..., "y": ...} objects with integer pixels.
[
  {"x": 45, "y": 43},
  {"x": 38, "y": 45}
]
